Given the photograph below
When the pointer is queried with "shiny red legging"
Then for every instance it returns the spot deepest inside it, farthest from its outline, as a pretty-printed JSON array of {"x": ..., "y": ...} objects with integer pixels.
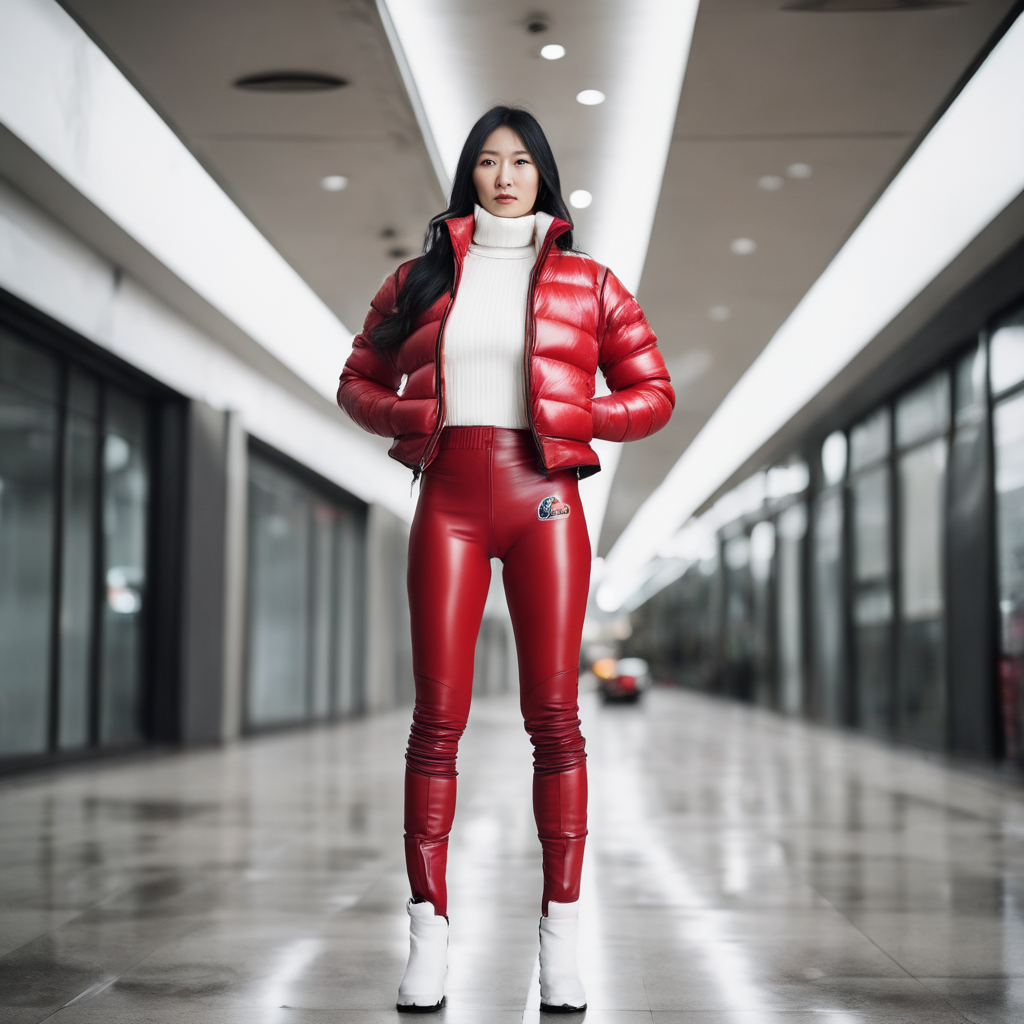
[{"x": 481, "y": 499}]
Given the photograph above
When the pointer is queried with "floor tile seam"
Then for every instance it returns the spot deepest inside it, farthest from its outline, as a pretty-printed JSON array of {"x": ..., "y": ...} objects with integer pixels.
[
  {"x": 175, "y": 936},
  {"x": 43, "y": 934},
  {"x": 971, "y": 977},
  {"x": 941, "y": 996},
  {"x": 860, "y": 931},
  {"x": 647, "y": 995},
  {"x": 910, "y": 974},
  {"x": 224, "y": 884}
]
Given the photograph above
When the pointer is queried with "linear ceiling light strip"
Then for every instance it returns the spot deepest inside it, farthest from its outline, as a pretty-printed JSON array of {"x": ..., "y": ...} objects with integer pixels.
[
  {"x": 409, "y": 81},
  {"x": 968, "y": 168},
  {"x": 649, "y": 51}
]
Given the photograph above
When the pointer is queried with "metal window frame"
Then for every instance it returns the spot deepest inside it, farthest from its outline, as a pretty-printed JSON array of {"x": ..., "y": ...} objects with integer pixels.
[{"x": 70, "y": 349}]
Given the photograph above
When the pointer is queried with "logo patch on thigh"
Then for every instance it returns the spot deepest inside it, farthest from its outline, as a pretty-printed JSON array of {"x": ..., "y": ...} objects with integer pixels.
[{"x": 552, "y": 508}]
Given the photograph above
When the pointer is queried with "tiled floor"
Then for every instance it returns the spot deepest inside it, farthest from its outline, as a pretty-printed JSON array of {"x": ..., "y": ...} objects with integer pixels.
[{"x": 741, "y": 868}]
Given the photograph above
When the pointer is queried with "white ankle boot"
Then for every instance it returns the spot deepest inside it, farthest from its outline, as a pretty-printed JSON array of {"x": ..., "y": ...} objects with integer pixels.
[
  {"x": 422, "y": 988},
  {"x": 561, "y": 990}
]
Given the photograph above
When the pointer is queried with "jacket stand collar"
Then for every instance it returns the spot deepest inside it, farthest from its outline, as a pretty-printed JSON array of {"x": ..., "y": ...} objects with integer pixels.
[{"x": 461, "y": 231}]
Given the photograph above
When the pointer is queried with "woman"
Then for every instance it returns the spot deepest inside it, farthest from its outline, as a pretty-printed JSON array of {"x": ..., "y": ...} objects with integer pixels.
[{"x": 479, "y": 359}]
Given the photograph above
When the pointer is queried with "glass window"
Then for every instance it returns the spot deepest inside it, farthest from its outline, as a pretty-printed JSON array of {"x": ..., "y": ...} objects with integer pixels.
[
  {"x": 74, "y": 527},
  {"x": 762, "y": 548},
  {"x": 829, "y": 699},
  {"x": 28, "y": 479},
  {"x": 348, "y": 632},
  {"x": 872, "y": 599},
  {"x": 305, "y": 601},
  {"x": 1008, "y": 437},
  {"x": 871, "y": 526},
  {"x": 921, "y": 672},
  {"x": 833, "y": 457},
  {"x": 762, "y": 552},
  {"x": 779, "y": 482},
  {"x": 969, "y": 386},
  {"x": 739, "y": 631},
  {"x": 922, "y": 474},
  {"x": 28, "y": 369},
  {"x": 279, "y": 592},
  {"x": 125, "y": 549},
  {"x": 324, "y": 537},
  {"x": 78, "y": 560},
  {"x": 869, "y": 440},
  {"x": 737, "y": 552},
  {"x": 924, "y": 411},
  {"x": 792, "y": 526},
  {"x": 1006, "y": 353}
]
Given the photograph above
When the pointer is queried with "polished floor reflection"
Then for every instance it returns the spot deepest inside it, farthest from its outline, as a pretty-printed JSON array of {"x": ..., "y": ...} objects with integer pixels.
[{"x": 742, "y": 868}]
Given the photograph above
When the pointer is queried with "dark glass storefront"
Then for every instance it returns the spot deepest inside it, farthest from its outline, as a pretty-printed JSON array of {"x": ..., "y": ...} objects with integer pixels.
[
  {"x": 306, "y": 592},
  {"x": 888, "y": 579},
  {"x": 94, "y": 475},
  {"x": 76, "y": 452},
  {"x": 1007, "y": 377}
]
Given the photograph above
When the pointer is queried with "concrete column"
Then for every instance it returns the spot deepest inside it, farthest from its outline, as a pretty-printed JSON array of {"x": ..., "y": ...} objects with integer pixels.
[
  {"x": 236, "y": 574},
  {"x": 201, "y": 684}
]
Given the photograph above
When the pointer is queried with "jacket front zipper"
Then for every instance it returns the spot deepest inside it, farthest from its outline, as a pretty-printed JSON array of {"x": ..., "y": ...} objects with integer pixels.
[
  {"x": 531, "y": 329},
  {"x": 531, "y": 332}
]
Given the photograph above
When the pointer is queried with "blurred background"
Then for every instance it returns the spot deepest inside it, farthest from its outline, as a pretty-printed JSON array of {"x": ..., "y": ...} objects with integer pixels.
[{"x": 817, "y": 202}]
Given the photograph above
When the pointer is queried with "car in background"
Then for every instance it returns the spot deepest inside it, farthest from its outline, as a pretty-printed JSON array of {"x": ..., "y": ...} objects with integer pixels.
[{"x": 621, "y": 680}]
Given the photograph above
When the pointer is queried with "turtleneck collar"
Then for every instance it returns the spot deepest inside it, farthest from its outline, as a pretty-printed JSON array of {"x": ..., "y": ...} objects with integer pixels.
[{"x": 502, "y": 232}]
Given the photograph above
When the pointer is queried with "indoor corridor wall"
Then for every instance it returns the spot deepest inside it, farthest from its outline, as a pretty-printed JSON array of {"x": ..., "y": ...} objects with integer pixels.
[{"x": 887, "y": 594}]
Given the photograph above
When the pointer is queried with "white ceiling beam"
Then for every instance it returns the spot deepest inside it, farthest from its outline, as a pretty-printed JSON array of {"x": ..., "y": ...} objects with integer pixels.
[{"x": 62, "y": 96}]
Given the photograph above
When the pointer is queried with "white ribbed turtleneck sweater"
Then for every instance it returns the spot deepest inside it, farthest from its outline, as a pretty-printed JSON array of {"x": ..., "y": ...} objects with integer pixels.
[{"x": 485, "y": 337}]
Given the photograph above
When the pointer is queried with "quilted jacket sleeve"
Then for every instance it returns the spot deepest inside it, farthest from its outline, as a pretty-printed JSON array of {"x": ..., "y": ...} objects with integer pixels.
[
  {"x": 369, "y": 383},
  {"x": 642, "y": 398}
]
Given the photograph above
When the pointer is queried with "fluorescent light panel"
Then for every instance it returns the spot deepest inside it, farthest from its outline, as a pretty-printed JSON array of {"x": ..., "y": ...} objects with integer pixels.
[{"x": 965, "y": 172}]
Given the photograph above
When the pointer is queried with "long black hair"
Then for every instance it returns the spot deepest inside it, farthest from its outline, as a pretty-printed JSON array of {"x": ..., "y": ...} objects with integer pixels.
[{"x": 433, "y": 273}]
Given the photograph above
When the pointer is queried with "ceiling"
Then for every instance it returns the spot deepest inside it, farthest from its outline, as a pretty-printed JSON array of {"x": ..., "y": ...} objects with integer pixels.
[
  {"x": 846, "y": 93},
  {"x": 269, "y": 151}
]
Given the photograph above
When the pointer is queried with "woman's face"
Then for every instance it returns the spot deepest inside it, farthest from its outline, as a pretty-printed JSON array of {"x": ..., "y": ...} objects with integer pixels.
[{"x": 505, "y": 175}]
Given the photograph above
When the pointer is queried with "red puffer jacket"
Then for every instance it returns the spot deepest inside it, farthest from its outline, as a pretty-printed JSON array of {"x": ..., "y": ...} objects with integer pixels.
[{"x": 579, "y": 317}]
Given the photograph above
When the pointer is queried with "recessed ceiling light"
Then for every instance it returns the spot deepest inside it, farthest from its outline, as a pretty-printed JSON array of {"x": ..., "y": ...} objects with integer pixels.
[
  {"x": 719, "y": 312},
  {"x": 552, "y": 51},
  {"x": 590, "y": 97},
  {"x": 799, "y": 170},
  {"x": 333, "y": 182},
  {"x": 770, "y": 182},
  {"x": 290, "y": 81},
  {"x": 743, "y": 246},
  {"x": 581, "y": 199}
]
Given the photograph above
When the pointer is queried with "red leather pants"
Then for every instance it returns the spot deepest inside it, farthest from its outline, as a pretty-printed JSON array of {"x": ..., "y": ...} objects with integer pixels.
[{"x": 483, "y": 497}]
